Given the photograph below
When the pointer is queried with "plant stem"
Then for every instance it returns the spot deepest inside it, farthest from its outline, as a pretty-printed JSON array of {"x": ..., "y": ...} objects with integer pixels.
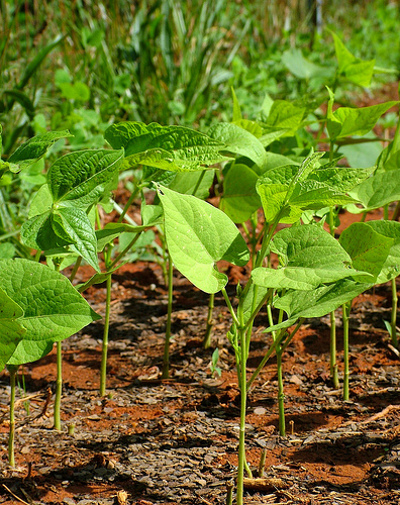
[
  {"x": 243, "y": 401},
  {"x": 59, "y": 384},
  {"x": 209, "y": 325},
  {"x": 165, "y": 372},
  {"x": 333, "y": 362},
  {"x": 346, "y": 317},
  {"x": 104, "y": 349},
  {"x": 128, "y": 204},
  {"x": 59, "y": 380},
  {"x": 393, "y": 321},
  {"x": 281, "y": 394},
  {"x": 13, "y": 371}
]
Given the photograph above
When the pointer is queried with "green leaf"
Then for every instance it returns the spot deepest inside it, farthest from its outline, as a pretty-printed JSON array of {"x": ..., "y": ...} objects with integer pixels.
[
  {"x": 351, "y": 68},
  {"x": 198, "y": 235},
  {"x": 72, "y": 224},
  {"x": 84, "y": 176},
  {"x": 52, "y": 308},
  {"x": 36, "y": 147},
  {"x": 11, "y": 329},
  {"x": 240, "y": 141},
  {"x": 240, "y": 199},
  {"x": 174, "y": 148},
  {"x": 311, "y": 257},
  {"x": 284, "y": 114},
  {"x": 342, "y": 179},
  {"x": 301, "y": 67},
  {"x": 78, "y": 91},
  {"x": 378, "y": 190},
  {"x": 236, "y": 112},
  {"x": 368, "y": 249},
  {"x": 192, "y": 183},
  {"x": 317, "y": 302},
  {"x": 346, "y": 121},
  {"x": 391, "y": 267}
]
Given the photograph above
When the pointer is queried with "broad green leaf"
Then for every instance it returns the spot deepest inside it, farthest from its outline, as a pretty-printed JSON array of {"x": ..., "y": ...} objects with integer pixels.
[
  {"x": 363, "y": 154},
  {"x": 72, "y": 224},
  {"x": 36, "y": 147},
  {"x": 38, "y": 233},
  {"x": 391, "y": 267},
  {"x": 174, "y": 148},
  {"x": 311, "y": 257},
  {"x": 7, "y": 250},
  {"x": 11, "y": 329},
  {"x": 240, "y": 199},
  {"x": 53, "y": 309},
  {"x": 351, "y": 68},
  {"x": 346, "y": 121},
  {"x": 192, "y": 183},
  {"x": 252, "y": 127},
  {"x": 198, "y": 235},
  {"x": 84, "y": 176},
  {"x": 301, "y": 67},
  {"x": 78, "y": 91},
  {"x": 367, "y": 248},
  {"x": 343, "y": 179},
  {"x": 317, "y": 302},
  {"x": 286, "y": 193},
  {"x": 240, "y": 141},
  {"x": 378, "y": 190},
  {"x": 41, "y": 202},
  {"x": 284, "y": 114}
]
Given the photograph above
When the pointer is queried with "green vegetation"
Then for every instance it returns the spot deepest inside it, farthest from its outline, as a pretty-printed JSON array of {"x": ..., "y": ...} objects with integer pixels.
[{"x": 196, "y": 96}]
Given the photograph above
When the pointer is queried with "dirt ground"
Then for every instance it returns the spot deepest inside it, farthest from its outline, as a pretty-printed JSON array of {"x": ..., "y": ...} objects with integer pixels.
[{"x": 152, "y": 441}]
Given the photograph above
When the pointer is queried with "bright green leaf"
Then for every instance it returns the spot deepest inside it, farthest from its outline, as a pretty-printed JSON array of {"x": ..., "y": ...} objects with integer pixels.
[{"x": 198, "y": 235}]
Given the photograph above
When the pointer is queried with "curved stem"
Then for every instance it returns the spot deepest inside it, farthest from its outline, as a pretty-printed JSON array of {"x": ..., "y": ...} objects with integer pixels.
[
  {"x": 243, "y": 402},
  {"x": 333, "y": 361}
]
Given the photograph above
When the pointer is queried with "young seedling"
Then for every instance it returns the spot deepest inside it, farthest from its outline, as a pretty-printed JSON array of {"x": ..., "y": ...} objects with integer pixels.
[{"x": 39, "y": 307}]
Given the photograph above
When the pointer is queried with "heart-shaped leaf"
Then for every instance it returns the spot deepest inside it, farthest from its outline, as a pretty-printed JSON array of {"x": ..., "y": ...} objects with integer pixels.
[
  {"x": 52, "y": 308},
  {"x": 198, "y": 235}
]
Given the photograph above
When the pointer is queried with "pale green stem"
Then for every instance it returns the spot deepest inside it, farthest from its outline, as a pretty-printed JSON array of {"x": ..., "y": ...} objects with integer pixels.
[
  {"x": 122, "y": 253},
  {"x": 346, "y": 317},
  {"x": 272, "y": 349},
  {"x": 11, "y": 437},
  {"x": 128, "y": 204},
  {"x": 228, "y": 303},
  {"x": 59, "y": 381},
  {"x": 165, "y": 372},
  {"x": 59, "y": 385},
  {"x": 393, "y": 321},
  {"x": 209, "y": 325},
  {"x": 243, "y": 402},
  {"x": 281, "y": 394},
  {"x": 333, "y": 361},
  {"x": 386, "y": 212},
  {"x": 104, "y": 349},
  {"x": 75, "y": 269}
]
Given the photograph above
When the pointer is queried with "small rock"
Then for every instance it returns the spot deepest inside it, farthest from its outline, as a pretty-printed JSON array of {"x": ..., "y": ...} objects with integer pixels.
[{"x": 260, "y": 411}]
